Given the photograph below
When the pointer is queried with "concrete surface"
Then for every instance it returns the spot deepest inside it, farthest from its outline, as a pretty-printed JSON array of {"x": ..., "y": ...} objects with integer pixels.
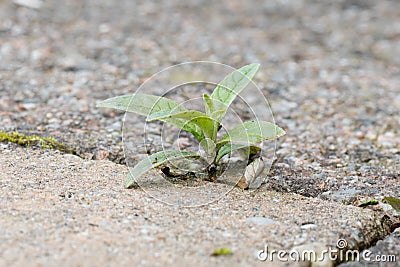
[
  {"x": 330, "y": 70},
  {"x": 63, "y": 210}
]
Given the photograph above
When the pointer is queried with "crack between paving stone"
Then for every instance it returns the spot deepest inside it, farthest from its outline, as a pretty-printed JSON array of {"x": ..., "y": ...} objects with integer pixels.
[{"x": 386, "y": 223}]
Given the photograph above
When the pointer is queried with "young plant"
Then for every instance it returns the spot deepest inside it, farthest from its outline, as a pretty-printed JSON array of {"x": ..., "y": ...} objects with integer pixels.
[{"x": 203, "y": 126}]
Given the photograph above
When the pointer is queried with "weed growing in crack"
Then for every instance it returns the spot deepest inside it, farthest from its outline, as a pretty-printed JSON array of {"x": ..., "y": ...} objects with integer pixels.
[{"x": 203, "y": 126}]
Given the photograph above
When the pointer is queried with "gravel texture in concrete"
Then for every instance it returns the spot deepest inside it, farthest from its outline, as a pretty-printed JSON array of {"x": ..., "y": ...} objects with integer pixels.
[
  {"x": 63, "y": 210},
  {"x": 330, "y": 70}
]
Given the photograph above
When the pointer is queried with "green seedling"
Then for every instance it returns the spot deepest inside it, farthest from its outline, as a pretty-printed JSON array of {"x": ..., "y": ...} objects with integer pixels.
[{"x": 203, "y": 126}]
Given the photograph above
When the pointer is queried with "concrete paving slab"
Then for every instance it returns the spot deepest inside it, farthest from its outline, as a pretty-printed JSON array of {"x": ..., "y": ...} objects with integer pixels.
[
  {"x": 63, "y": 210},
  {"x": 330, "y": 70}
]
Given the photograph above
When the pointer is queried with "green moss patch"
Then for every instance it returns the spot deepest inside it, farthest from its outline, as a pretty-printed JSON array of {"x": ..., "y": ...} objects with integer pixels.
[
  {"x": 221, "y": 252},
  {"x": 34, "y": 140}
]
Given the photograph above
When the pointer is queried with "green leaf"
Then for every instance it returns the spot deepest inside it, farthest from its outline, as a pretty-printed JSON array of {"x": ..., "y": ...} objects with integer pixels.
[
  {"x": 252, "y": 132},
  {"x": 147, "y": 105},
  {"x": 205, "y": 123},
  {"x": 155, "y": 160},
  {"x": 211, "y": 112},
  {"x": 229, "y": 147},
  {"x": 209, "y": 149},
  {"x": 208, "y": 104},
  {"x": 227, "y": 90},
  {"x": 142, "y": 104},
  {"x": 394, "y": 202}
]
